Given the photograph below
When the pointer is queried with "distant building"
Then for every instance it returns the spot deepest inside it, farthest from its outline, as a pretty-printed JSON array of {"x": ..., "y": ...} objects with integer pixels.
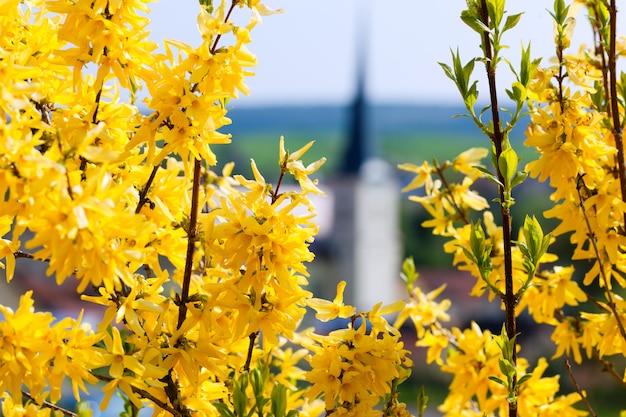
[{"x": 365, "y": 241}]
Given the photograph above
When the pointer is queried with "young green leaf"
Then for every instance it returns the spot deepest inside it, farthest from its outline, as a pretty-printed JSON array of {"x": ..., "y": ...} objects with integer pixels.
[
  {"x": 507, "y": 162},
  {"x": 409, "y": 274},
  {"x": 511, "y": 21},
  {"x": 279, "y": 400}
]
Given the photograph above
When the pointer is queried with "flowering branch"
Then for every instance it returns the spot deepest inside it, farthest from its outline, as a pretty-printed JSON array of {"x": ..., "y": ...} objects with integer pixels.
[
  {"x": 450, "y": 194},
  {"x": 49, "y": 405},
  {"x": 615, "y": 116},
  {"x": 605, "y": 279},
  {"x": 192, "y": 232},
  {"x": 498, "y": 141},
  {"x": 192, "y": 235}
]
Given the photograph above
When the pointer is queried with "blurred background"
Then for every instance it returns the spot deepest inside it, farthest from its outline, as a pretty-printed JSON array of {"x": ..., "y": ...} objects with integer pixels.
[{"x": 362, "y": 79}]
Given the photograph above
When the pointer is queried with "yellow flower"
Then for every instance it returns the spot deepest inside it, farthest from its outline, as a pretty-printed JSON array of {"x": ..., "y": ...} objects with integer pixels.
[
  {"x": 8, "y": 247},
  {"x": 327, "y": 310},
  {"x": 353, "y": 368},
  {"x": 423, "y": 177},
  {"x": 292, "y": 163},
  {"x": 467, "y": 161},
  {"x": 567, "y": 341}
]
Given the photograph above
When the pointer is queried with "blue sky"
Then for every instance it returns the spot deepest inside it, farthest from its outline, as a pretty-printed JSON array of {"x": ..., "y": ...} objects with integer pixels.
[{"x": 308, "y": 53}]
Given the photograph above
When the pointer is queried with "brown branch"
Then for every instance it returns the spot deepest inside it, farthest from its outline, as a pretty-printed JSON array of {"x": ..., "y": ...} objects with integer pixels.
[
  {"x": 49, "y": 405},
  {"x": 497, "y": 137},
  {"x": 20, "y": 254},
  {"x": 609, "y": 368},
  {"x": 275, "y": 194},
  {"x": 578, "y": 389},
  {"x": 617, "y": 125},
  {"x": 144, "y": 394},
  {"x": 144, "y": 191},
  {"x": 252, "y": 337},
  {"x": 192, "y": 235},
  {"x": 219, "y": 35},
  {"x": 451, "y": 198},
  {"x": 192, "y": 232}
]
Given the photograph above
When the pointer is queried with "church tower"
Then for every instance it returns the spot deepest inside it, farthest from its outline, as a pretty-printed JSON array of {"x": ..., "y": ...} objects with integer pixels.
[{"x": 366, "y": 240}]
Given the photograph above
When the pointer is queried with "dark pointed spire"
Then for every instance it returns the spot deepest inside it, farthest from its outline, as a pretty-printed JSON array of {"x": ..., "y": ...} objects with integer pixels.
[{"x": 359, "y": 147}]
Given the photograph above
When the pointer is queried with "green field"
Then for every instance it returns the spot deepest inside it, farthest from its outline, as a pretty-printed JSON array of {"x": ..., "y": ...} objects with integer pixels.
[{"x": 395, "y": 148}]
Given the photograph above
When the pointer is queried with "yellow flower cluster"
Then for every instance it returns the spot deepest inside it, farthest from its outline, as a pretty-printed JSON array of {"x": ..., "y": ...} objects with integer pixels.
[
  {"x": 576, "y": 120},
  {"x": 353, "y": 369},
  {"x": 472, "y": 357},
  {"x": 446, "y": 202},
  {"x": 572, "y": 129},
  {"x": 452, "y": 206},
  {"x": 202, "y": 275},
  {"x": 39, "y": 353}
]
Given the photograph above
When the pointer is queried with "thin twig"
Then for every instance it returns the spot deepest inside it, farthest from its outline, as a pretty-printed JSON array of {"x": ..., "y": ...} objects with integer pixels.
[
  {"x": 275, "y": 194},
  {"x": 599, "y": 50},
  {"x": 450, "y": 195},
  {"x": 48, "y": 405},
  {"x": 252, "y": 336},
  {"x": 578, "y": 389},
  {"x": 219, "y": 35},
  {"x": 609, "y": 368},
  {"x": 617, "y": 125},
  {"x": 20, "y": 254},
  {"x": 193, "y": 218},
  {"x": 144, "y": 191},
  {"x": 192, "y": 234},
  {"x": 144, "y": 394},
  {"x": 605, "y": 279}
]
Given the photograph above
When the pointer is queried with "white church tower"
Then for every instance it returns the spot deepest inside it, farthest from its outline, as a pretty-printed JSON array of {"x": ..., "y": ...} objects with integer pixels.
[{"x": 366, "y": 240}]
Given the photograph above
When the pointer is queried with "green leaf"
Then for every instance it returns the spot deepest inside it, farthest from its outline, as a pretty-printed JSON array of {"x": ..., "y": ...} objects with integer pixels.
[
  {"x": 477, "y": 240},
  {"x": 461, "y": 75},
  {"x": 224, "y": 410},
  {"x": 409, "y": 274},
  {"x": 279, "y": 400},
  {"x": 511, "y": 21},
  {"x": 470, "y": 255},
  {"x": 207, "y": 4},
  {"x": 560, "y": 11},
  {"x": 474, "y": 22},
  {"x": 528, "y": 67},
  {"x": 517, "y": 92},
  {"x": 240, "y": 398},
  {"x": 518, "y": 178},
  {"x": 506, "y": 367},
  {"x": 258, "y": 381},
  {"x": 489, "y": 175},
  {"x": 536, "y": 242},
  {"x": 524, "y": 379},
  {"x": 497, "y": 380},
  {"x": 448, "y": 71},
  {"x": 422, "y": 401},
  {"x": 83, "y": 410},
  {"x": 507, "y": 162}
]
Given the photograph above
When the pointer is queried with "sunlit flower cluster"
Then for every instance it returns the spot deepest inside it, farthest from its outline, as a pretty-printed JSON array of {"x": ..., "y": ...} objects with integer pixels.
[
  {"x": 199, "y": 273},
  {"x": 571, "y": 128},
  {"x": 353, "y": 369},
  {"x": 577, "y": 132}
]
